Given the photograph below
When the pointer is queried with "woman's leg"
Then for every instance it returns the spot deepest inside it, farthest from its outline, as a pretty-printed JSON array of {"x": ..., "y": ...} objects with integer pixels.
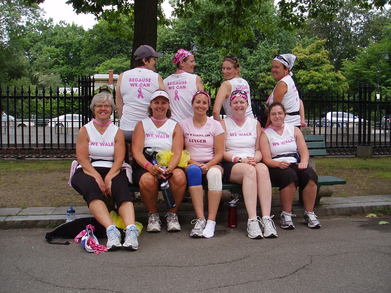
[
  {"x": 194, "y": 179},
  {"x": 178, "y": 187},
  {"x": 287, "y": 194},
  {"x": 245, "y": 174},
  {"x": 126, "y": 211},
  {"x": 309, "y": 196},
  {"x": 214, "y": 176},
  {"x": 100, "y": 212},
  {"x": 264, "y": 188},
  {"x": 149, "y": 191}
]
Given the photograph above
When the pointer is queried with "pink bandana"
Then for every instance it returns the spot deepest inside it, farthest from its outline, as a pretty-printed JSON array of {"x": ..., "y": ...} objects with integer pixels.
[{"x": 180, "y": 55}]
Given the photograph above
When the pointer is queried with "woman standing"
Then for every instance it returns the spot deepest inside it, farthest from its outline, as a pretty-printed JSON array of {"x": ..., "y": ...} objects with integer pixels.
[
  {"x": 100, "y": 151},
  {"x": 204, "y": 139},
  {"x": 232, "y": 82},
  {"x": 182, "y": 85},
  {"x": 285, "y": 91},
  {"x": 285, "y": 152},
  {"x": 159, "y": 133},
  {"x": 243, "y": 165}
]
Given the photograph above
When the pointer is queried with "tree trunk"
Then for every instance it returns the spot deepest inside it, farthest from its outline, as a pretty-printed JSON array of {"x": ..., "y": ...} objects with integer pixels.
[{"x": 145, "y": 24}]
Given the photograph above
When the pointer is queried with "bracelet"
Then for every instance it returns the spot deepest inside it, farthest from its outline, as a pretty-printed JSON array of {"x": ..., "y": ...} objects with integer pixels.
[
  {"x": 146, "y": 165},
  {"x": 234, "y": 158}
]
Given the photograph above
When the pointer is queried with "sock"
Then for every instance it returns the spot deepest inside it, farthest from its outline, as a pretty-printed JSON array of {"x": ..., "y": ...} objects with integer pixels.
[
  {"x": 209, "y": 230},
  {"x": 111, "y": 227},
  {"x": 130, "y": 226},
  {"x": 265, "y": 217}
]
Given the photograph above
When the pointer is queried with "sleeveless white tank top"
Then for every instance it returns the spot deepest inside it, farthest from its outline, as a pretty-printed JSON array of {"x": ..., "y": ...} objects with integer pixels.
[
  {"x": 282, "y": 144},
  {"x": 241, "y": 140},
  {"x": 159, "y": 139},
  {"x": 137, "y": 86},
  {"x": 181, "y": 88}
]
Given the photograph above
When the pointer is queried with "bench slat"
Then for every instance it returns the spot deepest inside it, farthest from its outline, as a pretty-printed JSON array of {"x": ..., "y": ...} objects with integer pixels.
[
  {"x": 330, "y": 180},
  {"x": 317, "y": 152}
]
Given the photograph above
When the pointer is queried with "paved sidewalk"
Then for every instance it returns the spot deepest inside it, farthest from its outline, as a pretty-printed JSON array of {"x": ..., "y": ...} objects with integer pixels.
[{"x": 34, "y": 217}]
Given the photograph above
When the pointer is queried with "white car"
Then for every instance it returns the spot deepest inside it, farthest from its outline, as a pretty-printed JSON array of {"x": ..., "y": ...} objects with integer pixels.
[
  {"x": 67, "y": 120},
  {"x": 5, "y": 119},
  {"x": 340, "y": 119}
]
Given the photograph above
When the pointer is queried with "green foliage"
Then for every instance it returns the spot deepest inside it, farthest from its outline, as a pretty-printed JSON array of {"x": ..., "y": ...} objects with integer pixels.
[
  {"x": 373, "y": 65},
  {"x": 117, "y": 64},
  {"x": 313, "y": 71}
]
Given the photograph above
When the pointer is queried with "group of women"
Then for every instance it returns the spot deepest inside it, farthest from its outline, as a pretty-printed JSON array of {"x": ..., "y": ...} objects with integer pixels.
[{"x": 235, "y": 149}]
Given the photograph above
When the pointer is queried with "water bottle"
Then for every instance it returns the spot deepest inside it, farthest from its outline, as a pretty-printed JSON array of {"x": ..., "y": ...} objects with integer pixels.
[
  {"x": 232, "y": 213},
  {"x": 71, "y": 214},
  {"x": 167, "y": 195}
]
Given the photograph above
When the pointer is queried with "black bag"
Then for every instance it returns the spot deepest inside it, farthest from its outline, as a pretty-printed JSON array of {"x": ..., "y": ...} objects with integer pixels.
[{"x": 71, "y": 229}]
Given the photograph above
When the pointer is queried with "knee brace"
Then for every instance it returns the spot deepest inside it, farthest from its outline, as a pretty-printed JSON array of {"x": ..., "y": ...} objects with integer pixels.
[
  {"x": 214, "y": 179},
  {"x": 194, "y": 175}
]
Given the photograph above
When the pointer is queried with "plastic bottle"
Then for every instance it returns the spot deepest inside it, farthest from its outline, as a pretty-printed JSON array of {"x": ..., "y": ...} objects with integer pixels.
[
  {"x": 71, "y": 214},
  {"x": 167, "y": 195},
  {"x": 232, "y": 213}
]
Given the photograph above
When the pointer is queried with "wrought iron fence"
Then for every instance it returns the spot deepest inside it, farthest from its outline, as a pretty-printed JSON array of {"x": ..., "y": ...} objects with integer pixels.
[{"x": 40, "y": 122}]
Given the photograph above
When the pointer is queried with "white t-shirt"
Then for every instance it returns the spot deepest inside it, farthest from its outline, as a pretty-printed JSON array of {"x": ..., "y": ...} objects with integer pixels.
[
  {"x": 241, "y": 140},
  {"x": 181, "y": 87},
  {"x": 101, "y": 146},
  {"x": 200, "y": 141},
  {"x": 282, "y": 144},
  {"x": 291, "y": 101},
  {"x": 137, "y": 86},
  {"x": 159, "y": 139},
  {"x": 241, "y": 84}
]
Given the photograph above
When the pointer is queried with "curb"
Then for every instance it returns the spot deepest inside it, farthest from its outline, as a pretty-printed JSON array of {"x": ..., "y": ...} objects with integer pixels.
[{"x": 49, "y": 217}]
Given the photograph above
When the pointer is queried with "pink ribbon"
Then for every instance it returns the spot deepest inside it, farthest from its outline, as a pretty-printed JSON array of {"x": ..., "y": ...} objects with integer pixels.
[
  {"x": 176, "y": 98},
  {"x": 140, "y": 93}
]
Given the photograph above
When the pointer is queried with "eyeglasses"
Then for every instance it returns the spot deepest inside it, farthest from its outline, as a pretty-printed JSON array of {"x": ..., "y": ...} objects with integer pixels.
[
  {"x": 240, "y": 93},
  {"x": 103, "y": 106}
]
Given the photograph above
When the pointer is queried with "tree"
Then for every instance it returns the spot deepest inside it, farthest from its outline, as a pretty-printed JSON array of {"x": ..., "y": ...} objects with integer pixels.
[{"x": 372, "y": 66}]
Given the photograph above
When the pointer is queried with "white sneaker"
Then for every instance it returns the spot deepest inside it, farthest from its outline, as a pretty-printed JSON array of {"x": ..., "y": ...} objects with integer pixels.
[
  {"x": 172, "y": 222},
  {"x": 113, "y": 238},
  {"x": 286, "y": 220},
  {"x": 269, "y": 229},
  {"x": 311, "y": 220},
  {"x": 131, "y": 238},
  {"x": 209, "y": 230},
  {"x": 154, "y": 224},
  {"x": 253, "y": 229},
  {"x": 199, "y": 226}
]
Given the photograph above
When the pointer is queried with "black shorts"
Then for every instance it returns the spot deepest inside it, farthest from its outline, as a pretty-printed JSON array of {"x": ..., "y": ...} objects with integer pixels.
[
  {"x": 281, "y": 178},
  {"x": 137, "y": 172},
  {"x": 89, "y": 189},
  {"x": 227, "y": 166}
]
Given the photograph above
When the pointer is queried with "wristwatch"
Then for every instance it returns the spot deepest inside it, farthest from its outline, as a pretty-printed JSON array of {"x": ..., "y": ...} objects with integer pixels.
[{"x": 239, "y": 160}]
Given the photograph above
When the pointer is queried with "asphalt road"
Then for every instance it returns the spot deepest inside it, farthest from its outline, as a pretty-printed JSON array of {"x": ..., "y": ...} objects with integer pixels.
[{"x": 346, "y": 255}]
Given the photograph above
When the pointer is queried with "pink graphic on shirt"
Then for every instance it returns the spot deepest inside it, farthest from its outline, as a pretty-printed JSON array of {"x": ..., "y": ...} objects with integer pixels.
[
  {"x": 176, "y": 98},
  {"x": 140, "y": 93}
]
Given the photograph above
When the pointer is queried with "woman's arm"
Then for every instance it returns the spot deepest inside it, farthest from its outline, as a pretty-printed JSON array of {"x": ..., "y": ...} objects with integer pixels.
[
  {"x": 258, "y": 154},
  {"x": 199, "y": 84},
  {"x": 266, "y": 154},
  {"x": 138, "y": 139},
  {"x": 227, "y": 156},
  {"x": 222, "y": 94},
  {"x": 161, "y": 83},
  {"x": 177, "y": 147},
  {"x": 279, "y": 91},
  {"x": 119, "y": 156},
  {"x": 82, "y": 154},
  {"x": 218, "y": 146},
  {"x": 302, "y": 149},
  {"x": 119, "y": 103}
]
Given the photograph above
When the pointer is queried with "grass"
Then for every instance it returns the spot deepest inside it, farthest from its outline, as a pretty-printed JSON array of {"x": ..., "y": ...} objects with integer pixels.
[
  {"x": 33, "y": 165},
  {"x": 382, "y": 165}
]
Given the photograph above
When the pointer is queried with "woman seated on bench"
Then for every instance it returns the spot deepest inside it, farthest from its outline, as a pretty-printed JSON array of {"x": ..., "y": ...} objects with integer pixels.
[
  {"x": 285, "y": 152},
  {"x": 204, "y": 139},
  {"x": 158, "y": 133},
  {"x": 242, "y": 165},
  {"x": 100, "y": 151}
]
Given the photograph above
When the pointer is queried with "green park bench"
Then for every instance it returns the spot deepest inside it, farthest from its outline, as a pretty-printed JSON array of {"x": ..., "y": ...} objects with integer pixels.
[{"x": 316, "y": 147}]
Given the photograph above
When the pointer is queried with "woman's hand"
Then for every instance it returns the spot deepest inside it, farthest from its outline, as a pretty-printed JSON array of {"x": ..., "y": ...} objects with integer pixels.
[
  {"x": 101, "y": 184},
  {"x": 283, "y": 165},
  {"x": 204, "y": 168},
  {"x": 250, "y": 160},
  {"x": 302, "y": 165}
]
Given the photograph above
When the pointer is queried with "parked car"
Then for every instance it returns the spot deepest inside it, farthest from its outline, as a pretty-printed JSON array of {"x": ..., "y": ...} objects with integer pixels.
[
  {"x": 67, "y": 120},
  {"x": 339, "y": 119},
  {"x": 6, "y": 118}
]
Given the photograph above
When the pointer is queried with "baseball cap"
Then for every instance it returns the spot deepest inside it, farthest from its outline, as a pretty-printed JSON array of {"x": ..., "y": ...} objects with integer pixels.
[
  {"x": 160, "y": 93},
  {"x": 145, "y": 51}
]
